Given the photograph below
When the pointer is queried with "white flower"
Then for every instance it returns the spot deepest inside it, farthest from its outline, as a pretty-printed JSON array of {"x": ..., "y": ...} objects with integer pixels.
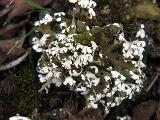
[
  {"x": 90, "y": 58},
  {"x": 19, "y": 118},
  {"x": 95, "y": 69},
  {"x": 122, "y": 77},
  {"x": 106, "y": 110},
  {"x": 48, "y": 17},
  {"x": 133, "y": 49},
  {"x": 87, "y": 3},
  {"x": 93, "y": 105},
  {"x": 126, "y": 45},
  {"x": 121, "y": 37},
  {"x": 143, "y": 43},
  {"x": 106, "y": 90},
  {"x": 118, "y": 25},
  {"x": 79, "y": 46},
  {"x": 59, "y": 14},
  {"x": 57, "y": 82},
  {"x": 141, "y": 33},
  {"x": 115, "y": 74},
  {"x": 117, "y": 81},
  {"x": 134, "y": 76},
  {"x": 124, "y": 118},
  {"x": 39, "y": 43},
  {"x": 72, "y": 1},
  {"x": 46, "y": 69},
  {"x": 45, "y": 20},
  {"x": 100, "y": 55},
  {"x": 58, "y": 19},
  {"x": 44, "y": 39},
  {"x": 96, "y": 81},
  {"x": 37, "y": 48},
  {"x": 141, "y": 64},
  {"x": 67, "y": 64},
  {"x": 112, "y": 104},
  {"x": 69, "y": 80},
  {"x": 91, "y": 12},
  {"x": 92, "y": 4},
  {"x": 109, "y": 94},
  {"x": 49, "y": 75},
  {"x": 107, "y": 78},
  {"x": 142, "y": 26},
  {"x": 63, "y": 24},
  {"x": 137, "y": 89},
  {"x": 61, "y": 37},
  {"x": 90, "y": 75},
  {"x": 42, "y": 78},
  {"x": 98, "y": 97},
  {"x": 94, "y": 45},
  {"x": 83, "y": 89},
  {"x": 57, "y": 74},
  {"x": 75, "y": 73},
  {"x": 83, "y": 77},
  {"x": 36, "y": 44},
  {"x": 128, "y": 90},
  {"x": 91, "y": 98},
  {"x": 37, "y": 23},
  {"x": 87, "y": 28},
  {"x": 83, "y": 3},
  {"x": 89, "y": 50}
]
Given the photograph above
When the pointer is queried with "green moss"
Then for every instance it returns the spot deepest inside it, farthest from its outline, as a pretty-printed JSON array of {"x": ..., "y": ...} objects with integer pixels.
[
  {"x": 84, "y": 39},
  {"x": 157, "y": 33},
  {"x": 81, "y": 27},
  {"x": 46, "y": 29},
  {"x": 25, "y": 97},
  {"x": 146, "y": 10},
  {"x": 44, "y": 61}
]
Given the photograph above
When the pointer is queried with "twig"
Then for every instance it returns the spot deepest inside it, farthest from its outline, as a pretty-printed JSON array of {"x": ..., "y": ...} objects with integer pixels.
[
  {"x": 10, "y": 27},
  {"x": 158, "y": 112},
  {"x": 4, "y": 11},
  {"x": 45, "y": 86},
  {"x": 152, "y": 83},
  {"x": 15, "y": 62},
  {"x": 11, "y": 2}
]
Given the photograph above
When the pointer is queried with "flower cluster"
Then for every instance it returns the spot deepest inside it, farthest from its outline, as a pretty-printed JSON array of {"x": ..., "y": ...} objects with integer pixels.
[
  {"x": 39, "y": 43},
  {"x": 124, "y": 118},
  {"x": 88, "y": 4},
  {"x": 57, "y": 16},
  {"x": 45, "y": 20},
  {"x": 72, "y": 57},
  {"x": 135, "y": 48}
]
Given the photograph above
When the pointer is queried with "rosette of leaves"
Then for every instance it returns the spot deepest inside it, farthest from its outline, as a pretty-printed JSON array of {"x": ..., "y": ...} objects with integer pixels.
[{"x": 90, "y": 61}]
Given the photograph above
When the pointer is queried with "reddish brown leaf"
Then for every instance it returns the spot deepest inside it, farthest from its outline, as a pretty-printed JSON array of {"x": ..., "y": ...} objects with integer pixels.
[
  {"x": 8, "y": 85},
  {"x": 5, "y": 46},
  {"x": 3, "y": 56},
  {"x": 4, "y": 11},
  {"x": 20, "y": 7},
  {"x": 88, "y": 114},
  {"x": 43, "y": 2},
  {"x": 11, "y": 27},
  {"x": 5, "y": 2},
  {"x": 144, "y": 111}
]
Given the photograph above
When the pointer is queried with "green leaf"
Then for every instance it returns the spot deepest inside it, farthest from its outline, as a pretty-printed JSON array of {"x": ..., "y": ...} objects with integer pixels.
[{"x": 36, "y": 5}]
